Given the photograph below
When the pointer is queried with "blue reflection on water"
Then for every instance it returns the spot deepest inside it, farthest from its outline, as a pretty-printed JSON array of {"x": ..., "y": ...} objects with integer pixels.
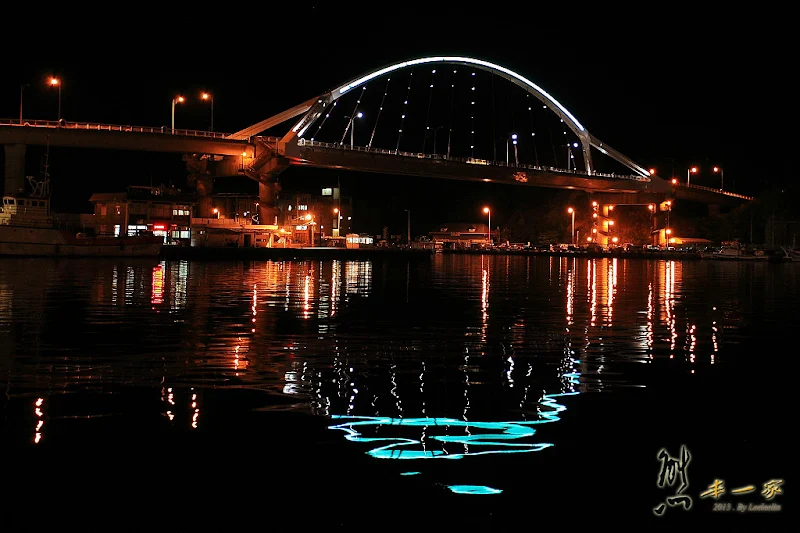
[
  {"x": 409, "y": 473},
  {"x": 473, "y": 489},
  {"x": 487, "y": 442}
]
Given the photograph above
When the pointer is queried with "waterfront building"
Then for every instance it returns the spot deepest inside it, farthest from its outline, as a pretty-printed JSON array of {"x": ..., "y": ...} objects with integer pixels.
[
  {"x": 461, "y": 235},
  {"x": 162, "y": 211}
]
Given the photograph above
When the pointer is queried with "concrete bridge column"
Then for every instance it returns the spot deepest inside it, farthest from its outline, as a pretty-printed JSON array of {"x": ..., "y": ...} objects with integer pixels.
[
  {"x": 268, "y": 188},
  {"x": 205, "y": 203},
  {"x": 14, "y": 168}
]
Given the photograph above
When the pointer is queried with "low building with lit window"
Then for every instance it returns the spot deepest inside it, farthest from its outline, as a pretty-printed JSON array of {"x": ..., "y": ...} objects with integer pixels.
[
  {"x": 315, "y": 219},
  {"x": 461, "y": 235},
  {"x": 162, "y": 211},
  {"x": 355, "y": 240}
]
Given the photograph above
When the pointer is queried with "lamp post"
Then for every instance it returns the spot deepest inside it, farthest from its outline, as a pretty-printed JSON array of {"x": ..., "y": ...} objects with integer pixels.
[
  {"x": 408, "y": 218},
  {"x": 722, "y": 178},
  {"x": 207, "y": 96},
  {"x": 513, "y": 140},
  {"x": 176, "y": 100},
  {"x": 489, "y": 212},
  {"x": 689, "y": 172},
  {"x": 21, "y": 89},
  {"x": 216, "y": 212},
  {"x": 55, "y": 82},
  {"x": 311, "y": 225},
  {"x": 336, "y": 217},
  {"x": 570, "y": 164},
  {"x": 435, "y": 132},
  {"x": 352, "y": 126},
  {"x": 572, "y": 211}
]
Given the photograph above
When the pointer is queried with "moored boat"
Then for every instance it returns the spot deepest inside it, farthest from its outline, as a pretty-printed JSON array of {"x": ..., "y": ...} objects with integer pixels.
[
  {"x": 734, "y": 251},
  {"x": 26, "y": 229}
]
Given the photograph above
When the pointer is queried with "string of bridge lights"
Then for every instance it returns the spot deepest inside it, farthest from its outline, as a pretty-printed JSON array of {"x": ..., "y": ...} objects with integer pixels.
[
  {"x": 403, "y": 115},
  {"x": 451, "y": 125},
  {"x": 450, "y": 117},
  {"x": 351, "y": 123},
  {"x": 378, "y": 117},
  {"x": 327, "y": 116},
  {"x": 472, "y": 118},
  {"x": 428, "y": 115},
  {"x": 533, "y": 134}
]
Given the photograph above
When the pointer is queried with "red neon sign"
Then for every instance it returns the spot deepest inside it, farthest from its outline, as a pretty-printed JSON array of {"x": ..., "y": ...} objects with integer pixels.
[{"x": 159, "y": 226}]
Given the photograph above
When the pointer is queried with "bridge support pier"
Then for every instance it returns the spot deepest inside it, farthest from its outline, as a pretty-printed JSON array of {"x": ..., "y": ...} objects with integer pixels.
[
  {"x": 268, "y": 189},
  {"x": 205, "y": 202},
  {"x": 14, "y": 168}
]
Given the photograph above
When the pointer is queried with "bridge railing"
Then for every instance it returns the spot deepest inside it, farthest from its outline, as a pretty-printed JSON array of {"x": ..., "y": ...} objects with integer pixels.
[
  {"x": 716, "y": 191},
  {"x": 469, "y": 160},
  {"x": 110, "y": 127}
]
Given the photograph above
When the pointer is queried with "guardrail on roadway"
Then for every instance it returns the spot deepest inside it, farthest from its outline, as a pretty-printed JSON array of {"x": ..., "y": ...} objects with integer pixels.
[
  {"x": 419, "y": 155},
  {"x": 110, "y": 127}
]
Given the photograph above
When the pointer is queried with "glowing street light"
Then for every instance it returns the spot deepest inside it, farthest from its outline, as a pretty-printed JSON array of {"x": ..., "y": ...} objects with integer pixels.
[
  {"x": 176, "y": 100},
  {"x": 55, "y": 82},
  {"x": 489, "y": 212},
  {"x": 722, "y": 178},
  {"x": 216, "y": 212},
  {"x": 513, "y": 141},
  {"x": 572, "y": 211},
  {"x": 336, "y": 217},
  {"x": 21, "y": 90},
  {"x": 689, "y": 172},
  {"x": 352, "y": 126},
  {"x": 207, "y": 96}
]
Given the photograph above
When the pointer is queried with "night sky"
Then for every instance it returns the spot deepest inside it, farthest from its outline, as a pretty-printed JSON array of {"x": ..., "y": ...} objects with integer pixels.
[{"x": 668, "y": 89}]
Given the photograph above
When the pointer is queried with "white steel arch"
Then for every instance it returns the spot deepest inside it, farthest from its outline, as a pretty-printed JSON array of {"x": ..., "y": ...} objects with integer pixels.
[{"x": 316, "y": 109}]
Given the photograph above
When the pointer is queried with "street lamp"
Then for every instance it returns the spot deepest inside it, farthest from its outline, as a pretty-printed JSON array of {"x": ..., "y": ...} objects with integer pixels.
[
  {"x": 513, "y": 140},
  {"x": 435, "y": 132},
  {"x": 722, "y": 177},
  {"x": 689, "y": 172},
  {"x": 55, "y": 82},
  {"x": 207, "y": 96},
  {"x": 408, "y": 219},
  {"x": 21, "y": 89},
  {"x": 336, "y": 227},
  {"x": 489, "y": 212},
  {"x": 176, "y": 100},
  {"x": 570, "y": 164},
  {"x": 216, "y": 212},
  {"x": 352, "y": 126},
  {"x": 572, "y": 211},
  {"x": 311, "y": 225}
]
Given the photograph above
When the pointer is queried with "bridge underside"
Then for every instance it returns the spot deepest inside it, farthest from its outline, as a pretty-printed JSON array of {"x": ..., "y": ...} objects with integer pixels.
[
  {"x": 123, "y": 140},
  {"x": 433, "y": 167}
]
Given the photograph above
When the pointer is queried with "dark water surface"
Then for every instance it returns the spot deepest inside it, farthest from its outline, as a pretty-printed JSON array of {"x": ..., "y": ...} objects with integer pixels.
[{"x": 450, "y": 391}]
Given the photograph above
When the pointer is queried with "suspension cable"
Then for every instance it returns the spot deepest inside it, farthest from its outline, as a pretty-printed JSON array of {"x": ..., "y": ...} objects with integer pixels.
[
  {"x": 352, "y": 115},
  {"x": 450, "y": 119},
  {"x": 494, "y": 125},
  {"x": 385, "y": 92},
  {"x": 533, "y": 133},
  {"x": 403, "y": 116},
  {"x": 428, "y": 115},
  {"x": 328, "y": 114},
  {"x": 472, "y": 117}
]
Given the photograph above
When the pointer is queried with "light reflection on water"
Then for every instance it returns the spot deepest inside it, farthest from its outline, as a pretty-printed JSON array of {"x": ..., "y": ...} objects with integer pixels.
[{"x": 448, "y": 358}]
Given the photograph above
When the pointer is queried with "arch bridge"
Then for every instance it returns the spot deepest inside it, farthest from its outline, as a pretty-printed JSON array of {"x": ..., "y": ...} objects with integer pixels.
[{"x": 445, "y": 117}]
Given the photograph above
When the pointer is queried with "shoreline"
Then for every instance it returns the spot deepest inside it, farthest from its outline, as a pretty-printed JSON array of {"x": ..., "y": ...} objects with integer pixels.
[{"x": 266, "y": 254}]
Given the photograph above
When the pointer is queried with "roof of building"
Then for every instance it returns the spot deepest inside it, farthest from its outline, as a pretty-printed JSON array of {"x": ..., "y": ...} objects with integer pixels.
[
  {"x": 155, "y": 194},
  {"x": 461, "y": 227}
]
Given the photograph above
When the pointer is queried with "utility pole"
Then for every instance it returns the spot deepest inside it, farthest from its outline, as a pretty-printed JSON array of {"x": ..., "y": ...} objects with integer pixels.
[{"x": 409, "y": 227}]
